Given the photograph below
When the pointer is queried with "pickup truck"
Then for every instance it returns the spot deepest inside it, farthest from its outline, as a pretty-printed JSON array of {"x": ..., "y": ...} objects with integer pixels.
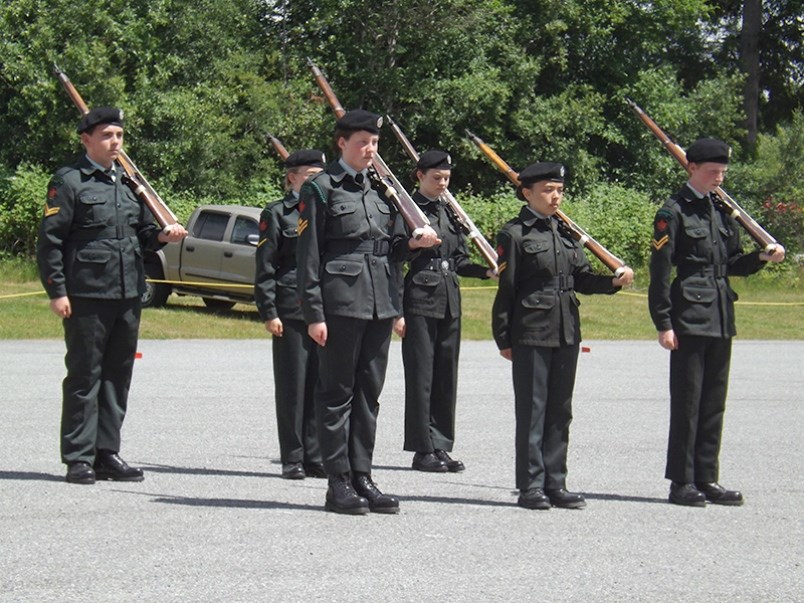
[{"x": 215, "y": 261}]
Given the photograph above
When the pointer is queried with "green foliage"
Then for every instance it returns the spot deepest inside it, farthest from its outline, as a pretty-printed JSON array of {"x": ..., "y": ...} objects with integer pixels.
[
  {"x": 619, "y": 218},
  {"x": 22, "y": 196}
]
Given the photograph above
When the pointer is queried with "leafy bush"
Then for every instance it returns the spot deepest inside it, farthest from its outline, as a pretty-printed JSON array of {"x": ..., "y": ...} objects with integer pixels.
[{"x": 22, "y": 196}]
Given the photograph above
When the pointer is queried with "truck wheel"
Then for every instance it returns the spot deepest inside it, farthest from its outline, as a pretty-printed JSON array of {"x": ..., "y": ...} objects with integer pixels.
[
  {"x": 217, "y": 304},
  {"x": 156, "y": 294}
]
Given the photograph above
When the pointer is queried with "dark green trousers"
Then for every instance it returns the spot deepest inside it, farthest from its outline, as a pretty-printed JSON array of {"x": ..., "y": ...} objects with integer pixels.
[
  {"x": 430, "y": 352},
  {"x": 351, "y": 372},
  {"x": 101, "y": 338},
  {"x": 699, "y": 377},
  {"x": 544, "y": 380},
  {"x": 295, "y": 374}
]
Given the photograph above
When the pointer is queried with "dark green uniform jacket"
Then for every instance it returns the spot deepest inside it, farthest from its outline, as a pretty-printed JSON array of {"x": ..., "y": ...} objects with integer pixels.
[
  {"x": 92, "y": 235},
  {"x": 541, "y": 267},
  {"x": 431, "y": 284},
  {"x": 350, "y": 246},
  {"x": 275, "y": 282},
  {"x": 704, "y": 244}
]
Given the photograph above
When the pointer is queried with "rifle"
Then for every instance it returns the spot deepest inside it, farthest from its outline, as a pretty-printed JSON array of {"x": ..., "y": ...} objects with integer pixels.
[
  {"x": 134, "y": 178},
  {"x": 721, "y": 197},
  {"x": 379, "y": 172},
  {"x": 611, "y": 261},
  {"x": 278, "y": 146},
  {"x": 469, "y": 228}
]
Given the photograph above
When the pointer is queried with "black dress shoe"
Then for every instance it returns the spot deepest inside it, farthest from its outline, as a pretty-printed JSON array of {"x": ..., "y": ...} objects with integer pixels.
[
  {"x": 109, "y": 465},
  {"x": 342, "y": 498},
  {"x": 428, "y": 461},
  {"x": 686, "y": 494},
  {"x": 378, "y": 502},
  {"x": 453, "y": 465},
  {"x": 533, "y": 498},
  {"x": 315, "y": 470},
  {"x": 293, "y": 471},
  {"x": 559, "y": 497},
  {"x": 80, "y": 473},
  {"x": 718, "y": 495}
]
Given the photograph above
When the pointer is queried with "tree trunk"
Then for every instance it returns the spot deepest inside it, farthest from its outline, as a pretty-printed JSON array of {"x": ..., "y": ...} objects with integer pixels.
[{"x": 749, "y": 56}]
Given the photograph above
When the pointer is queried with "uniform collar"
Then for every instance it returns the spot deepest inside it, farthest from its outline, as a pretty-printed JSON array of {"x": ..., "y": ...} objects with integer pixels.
[
  {"x": 530, "y": 217},
  {"x": 421, "y": 199},
  {"x": 690, "y": 194},
  {"x": 291, "y": 199}
]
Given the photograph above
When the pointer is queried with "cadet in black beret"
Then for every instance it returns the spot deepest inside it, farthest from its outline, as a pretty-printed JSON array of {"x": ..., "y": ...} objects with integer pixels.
[
  {"x": 359, "y": 119},
  {"x": 294, "y": 356},
  {"x": 92, "y": 239},
  {"x": 431, "y": 325},
  {"x": 536, "y": 325},
  {"x": 693, "y": 312},
  {"x": 709, "y": 150},
  {"x": 306, "y": 157},
  {"x": 100, "y": 115},
  {"x": 351, "y": 241}
]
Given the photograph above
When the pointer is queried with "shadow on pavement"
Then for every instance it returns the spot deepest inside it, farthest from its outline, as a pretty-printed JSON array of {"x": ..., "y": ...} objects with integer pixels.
[{"x": 31, "y": 475}]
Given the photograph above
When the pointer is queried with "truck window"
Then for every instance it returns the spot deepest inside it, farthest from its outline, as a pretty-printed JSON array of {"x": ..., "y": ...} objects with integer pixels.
[
  {"x": 210, "y": 226},
  {"x": 242, "y": 228}
]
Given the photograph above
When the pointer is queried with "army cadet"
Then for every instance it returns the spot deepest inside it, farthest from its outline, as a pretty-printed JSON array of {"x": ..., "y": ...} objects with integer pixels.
[
  {"x": 294, "y": 356},
  {"x": 694, "y": 316},
  {"x": 349, "y": 249},
  {"x": 431, "y": 325},
  {"x": 89, "y": 253},
  {"x": 536, "y": 325}
]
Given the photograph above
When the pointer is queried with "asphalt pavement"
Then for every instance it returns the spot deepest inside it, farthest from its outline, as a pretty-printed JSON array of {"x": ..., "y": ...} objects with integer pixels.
[{"x": 213, "y": 520}]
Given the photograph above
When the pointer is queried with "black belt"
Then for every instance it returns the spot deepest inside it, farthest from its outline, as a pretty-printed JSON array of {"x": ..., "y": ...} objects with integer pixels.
[
  {"x": 347, "y": 246},
  {"x": 561, "y": 283},
  {"x": 108, "y": 232},
  {"x": 435, "y": 265},
  {"x": 716, "y": 270}
]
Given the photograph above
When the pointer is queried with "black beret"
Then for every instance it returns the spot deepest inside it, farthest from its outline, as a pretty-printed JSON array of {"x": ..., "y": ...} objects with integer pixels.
[
  {"x": 308, "y": 157},
  {"x": 438, "y": 160},
  {"x": 100, "y": 115},
  {"x": 708, "y": 149},
  {"x": 535, "y": 172},
  {"x": 359, "y": 119}
]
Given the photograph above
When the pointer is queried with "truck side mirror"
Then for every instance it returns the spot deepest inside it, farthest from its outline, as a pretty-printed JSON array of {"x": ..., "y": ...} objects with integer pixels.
[{"x": 253, "y": 239}]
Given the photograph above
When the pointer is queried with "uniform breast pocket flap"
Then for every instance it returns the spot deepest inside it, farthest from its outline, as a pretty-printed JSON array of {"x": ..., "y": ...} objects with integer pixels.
[
  {"x": 91, "y": 199},
  {"x": 698, "y": 294},
  {"x": 426, "y": 279},
  {"x": 383, "y": 208},
  {"x": 341, "y": 208},
  {"x": 539, "y": 301},
  {"x": 291, "y": 232},
  {"x": 534, "y": 247},
  {"x": 345, "y": 267},
  {"x": 696, "y": 232},
  {"x": 94, "y": 256}
]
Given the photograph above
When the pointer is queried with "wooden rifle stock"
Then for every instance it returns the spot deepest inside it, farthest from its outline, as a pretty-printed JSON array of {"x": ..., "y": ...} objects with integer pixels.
[
  {"x": 134, "y": 178},
  {"x": 278, "y": 146},
  {"x": 379, "y": 172},
  {"x": 611, "y": 261},
  {"x": 472, "y": 232},
  {"x": 722, "y": 198}
]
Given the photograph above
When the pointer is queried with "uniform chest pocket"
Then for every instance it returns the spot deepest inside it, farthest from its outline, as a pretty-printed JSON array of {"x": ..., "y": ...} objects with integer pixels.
[
  {"x": 696, "y": 232},
  {"x": 534, "y": 247},
  {"x": 539, "y": 301},
  {"x": 725, "y": 231},
  {"x": 91, "y": 208},
  {"x": 383, "y": 208},
  {"x": 342, "y": 208},
  {"x": 290, "y": 232}
]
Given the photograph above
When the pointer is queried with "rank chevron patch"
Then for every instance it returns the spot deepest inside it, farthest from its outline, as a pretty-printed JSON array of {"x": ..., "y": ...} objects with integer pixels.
[
  {"x": 657, "y": 244},
  {"x": 51, "y": 211}
]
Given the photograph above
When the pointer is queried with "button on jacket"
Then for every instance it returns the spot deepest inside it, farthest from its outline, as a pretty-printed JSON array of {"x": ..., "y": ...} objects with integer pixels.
[
  {"x": 92, "y": 235},
  {"x": 275, "y": 280},
  {"x": 541, "y": 267},
  {"x": 431, "y": 284},
  {"x": 704, "y": 244},
  {"x": 350, "y": 246}
]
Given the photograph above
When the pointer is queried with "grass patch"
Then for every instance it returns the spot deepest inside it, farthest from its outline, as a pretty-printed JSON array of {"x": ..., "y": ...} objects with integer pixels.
[{"x": 769, "y": 308}]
